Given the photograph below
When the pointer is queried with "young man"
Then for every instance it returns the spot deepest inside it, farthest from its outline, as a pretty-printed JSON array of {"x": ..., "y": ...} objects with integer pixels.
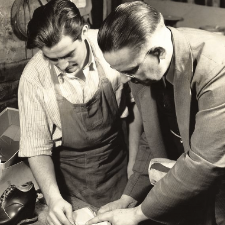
[
  {"x": 70, "y": 103},
  {"x": 178, "y": 84}
]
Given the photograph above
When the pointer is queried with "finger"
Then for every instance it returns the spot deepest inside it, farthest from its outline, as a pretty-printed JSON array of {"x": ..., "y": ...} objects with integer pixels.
[
  {"x": 99, "y": 218},
  {"x": 109, "y": 207},
  {"x": 62, "y": 218},
  {"x": 69, "y": 214},
  {"x": 103, "y": 209},
  {"x": 52, "y": 220},
  {"x": 51, "y": 223}
]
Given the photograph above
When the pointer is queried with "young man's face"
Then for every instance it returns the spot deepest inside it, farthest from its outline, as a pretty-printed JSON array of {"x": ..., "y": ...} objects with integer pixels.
[{"x": 68, "y": 55}]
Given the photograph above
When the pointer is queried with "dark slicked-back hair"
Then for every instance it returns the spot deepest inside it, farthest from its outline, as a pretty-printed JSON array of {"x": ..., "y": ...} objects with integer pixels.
[
  {"x": 51, "y": 21},
  {"x": 128, "y": 25}
]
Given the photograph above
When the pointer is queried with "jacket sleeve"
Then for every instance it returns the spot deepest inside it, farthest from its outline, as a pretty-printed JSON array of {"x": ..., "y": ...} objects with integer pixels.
[
  {"x": 138, "y": 185},
  {"x": 197, "y": 171},
  {"x": 151, "y": 144}
]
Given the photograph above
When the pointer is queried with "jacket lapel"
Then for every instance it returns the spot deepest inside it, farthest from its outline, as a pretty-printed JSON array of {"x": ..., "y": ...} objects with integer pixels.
[
  {"x": 182, "y": 82},
  {"x": 148, "y": 107}
]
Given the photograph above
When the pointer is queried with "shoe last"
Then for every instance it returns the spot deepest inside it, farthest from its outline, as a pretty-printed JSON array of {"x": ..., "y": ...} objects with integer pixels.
[{"x": 17, "y": 204}]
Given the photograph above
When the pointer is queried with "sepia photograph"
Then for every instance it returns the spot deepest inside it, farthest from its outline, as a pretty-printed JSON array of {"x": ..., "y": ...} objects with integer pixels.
[{"x": 112, "y": 112}]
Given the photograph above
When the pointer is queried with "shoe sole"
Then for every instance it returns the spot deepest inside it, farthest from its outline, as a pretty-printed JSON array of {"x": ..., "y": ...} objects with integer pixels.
[{"x": 32, "y": 220}]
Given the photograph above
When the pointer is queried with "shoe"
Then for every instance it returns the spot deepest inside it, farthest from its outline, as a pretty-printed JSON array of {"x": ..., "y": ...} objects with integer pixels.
[{"x": 17, "y": 204}]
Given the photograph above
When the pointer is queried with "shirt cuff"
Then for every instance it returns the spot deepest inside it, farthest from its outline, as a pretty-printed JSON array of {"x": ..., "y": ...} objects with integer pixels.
[{"x": 26, "y": 154}]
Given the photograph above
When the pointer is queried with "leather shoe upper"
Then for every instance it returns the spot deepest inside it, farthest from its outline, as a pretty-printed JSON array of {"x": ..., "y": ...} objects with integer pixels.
[{"x": 17, "y": 203}]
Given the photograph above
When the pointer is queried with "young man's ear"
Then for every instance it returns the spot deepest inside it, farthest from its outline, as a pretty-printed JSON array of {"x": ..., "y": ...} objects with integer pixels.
[
  {"x": 84, "y": 32},
  {"x": 159, "y": 52}
]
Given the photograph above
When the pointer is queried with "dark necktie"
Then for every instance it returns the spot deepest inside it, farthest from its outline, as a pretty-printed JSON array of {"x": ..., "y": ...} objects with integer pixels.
[{"x": 166, "y": 105}]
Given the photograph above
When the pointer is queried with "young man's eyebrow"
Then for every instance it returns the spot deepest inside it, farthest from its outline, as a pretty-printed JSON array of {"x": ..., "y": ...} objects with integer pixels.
[
  {"x": 132, "y": 70},
  {"x": 69, "y": 53},
  {"x": 60, "y": 57},
  {"x": 53, "y": 59}
]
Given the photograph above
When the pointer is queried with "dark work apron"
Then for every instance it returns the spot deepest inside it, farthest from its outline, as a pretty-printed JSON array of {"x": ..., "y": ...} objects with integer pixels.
[{"x": 91, "y": 164}]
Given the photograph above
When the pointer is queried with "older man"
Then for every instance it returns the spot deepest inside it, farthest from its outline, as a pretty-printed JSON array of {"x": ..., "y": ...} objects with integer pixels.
[{"x": 178, "y": 82}]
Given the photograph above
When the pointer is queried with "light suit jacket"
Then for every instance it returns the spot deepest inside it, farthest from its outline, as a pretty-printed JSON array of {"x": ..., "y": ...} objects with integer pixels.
[{"x": 199, "y": 92}]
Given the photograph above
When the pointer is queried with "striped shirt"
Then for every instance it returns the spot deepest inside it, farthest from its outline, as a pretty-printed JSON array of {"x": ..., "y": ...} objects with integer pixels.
[
  {"x": 40, "y": 122},
  {"x": 75, "y": 89}
]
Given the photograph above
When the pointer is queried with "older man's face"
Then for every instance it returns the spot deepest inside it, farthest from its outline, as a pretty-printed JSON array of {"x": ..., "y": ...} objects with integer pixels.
[{"x": 142, "y": 65}]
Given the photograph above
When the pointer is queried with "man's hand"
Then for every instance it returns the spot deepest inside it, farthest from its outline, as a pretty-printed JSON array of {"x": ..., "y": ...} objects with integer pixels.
[
  {"x": 124, "y": 202},
  {"x": 120, "y": 217},
  {"x": 60, "y": 212}
]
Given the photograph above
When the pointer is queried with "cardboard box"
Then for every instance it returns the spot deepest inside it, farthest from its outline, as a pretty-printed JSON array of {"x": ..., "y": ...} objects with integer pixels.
[
  {"x": 13, "y": 170},
  {"x": 9, "y": 133}
]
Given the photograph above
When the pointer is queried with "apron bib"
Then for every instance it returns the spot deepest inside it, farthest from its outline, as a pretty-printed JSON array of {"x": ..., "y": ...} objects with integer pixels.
[{"x": 91, "y": 164}]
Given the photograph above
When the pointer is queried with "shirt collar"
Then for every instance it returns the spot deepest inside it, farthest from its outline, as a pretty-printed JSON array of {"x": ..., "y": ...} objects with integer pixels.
[
  {"x": 91, "y": 56},
  {"x": 170, "y": 73}
]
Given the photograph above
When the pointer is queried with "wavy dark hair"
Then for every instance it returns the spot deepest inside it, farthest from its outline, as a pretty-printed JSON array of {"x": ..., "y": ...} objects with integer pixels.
[
  {"x": 51, "y": 21},
  {"x": 128, "y": 25}
]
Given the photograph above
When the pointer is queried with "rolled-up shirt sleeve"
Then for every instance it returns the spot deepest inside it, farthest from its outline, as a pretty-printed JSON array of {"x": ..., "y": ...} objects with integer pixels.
[{"x": 35, "y": 127}]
